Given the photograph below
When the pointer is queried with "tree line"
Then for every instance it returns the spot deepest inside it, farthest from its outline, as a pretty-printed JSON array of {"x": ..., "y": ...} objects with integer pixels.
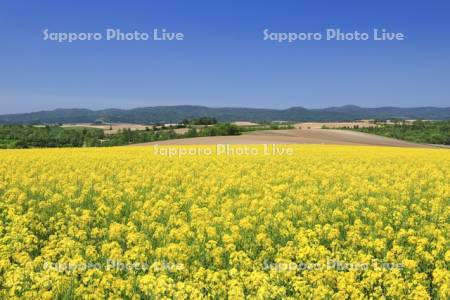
[
  {"x": 429, "y": 132},
  {"x": 28, "y": 136},
  {"x": 48, "y": 136}
]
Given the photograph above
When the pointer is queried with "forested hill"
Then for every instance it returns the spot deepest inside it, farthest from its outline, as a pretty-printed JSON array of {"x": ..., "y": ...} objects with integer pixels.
[{"x": 174, "y": 114}]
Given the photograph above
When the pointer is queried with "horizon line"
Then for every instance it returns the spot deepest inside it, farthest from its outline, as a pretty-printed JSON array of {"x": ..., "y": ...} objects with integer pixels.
[{"x": 222, "y": 107}]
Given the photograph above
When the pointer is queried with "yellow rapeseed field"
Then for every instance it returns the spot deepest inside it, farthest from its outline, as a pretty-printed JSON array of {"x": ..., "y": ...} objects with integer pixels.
[{"x": 327, "y": 222}]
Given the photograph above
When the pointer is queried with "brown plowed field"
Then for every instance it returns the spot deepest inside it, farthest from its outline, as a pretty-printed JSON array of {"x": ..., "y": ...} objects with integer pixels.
[{"x": 295, "y": 136}]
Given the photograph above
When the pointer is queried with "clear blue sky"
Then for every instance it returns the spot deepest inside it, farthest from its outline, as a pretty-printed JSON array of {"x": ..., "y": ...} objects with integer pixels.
[{"x": 223, "y": 60}]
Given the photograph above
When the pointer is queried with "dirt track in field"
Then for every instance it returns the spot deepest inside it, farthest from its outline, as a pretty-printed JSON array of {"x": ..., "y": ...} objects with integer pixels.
[{"x": 295, "y": 136}]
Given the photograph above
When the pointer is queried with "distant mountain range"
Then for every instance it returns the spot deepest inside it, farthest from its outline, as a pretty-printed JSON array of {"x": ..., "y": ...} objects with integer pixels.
[{"x": 174, "y": 114}]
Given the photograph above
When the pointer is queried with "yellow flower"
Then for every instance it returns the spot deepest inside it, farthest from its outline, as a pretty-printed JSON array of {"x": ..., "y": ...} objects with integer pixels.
[{"x": 338, "y": 222}]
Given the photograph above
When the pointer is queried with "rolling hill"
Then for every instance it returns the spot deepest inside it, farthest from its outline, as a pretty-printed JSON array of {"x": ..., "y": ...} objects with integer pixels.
[{"x": 173, "y": 114}]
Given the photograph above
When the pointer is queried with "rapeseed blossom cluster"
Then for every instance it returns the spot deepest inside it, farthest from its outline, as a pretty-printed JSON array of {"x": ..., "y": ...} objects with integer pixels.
[{"x": 326, "y": 222}]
